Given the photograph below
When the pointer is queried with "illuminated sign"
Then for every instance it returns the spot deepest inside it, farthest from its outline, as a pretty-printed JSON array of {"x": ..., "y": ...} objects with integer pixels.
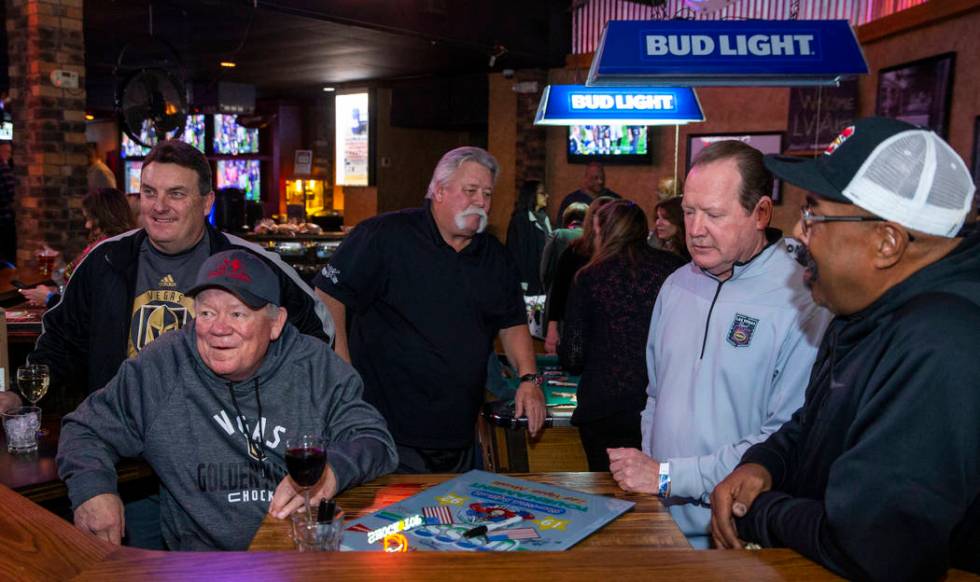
[
  {"x": 399, "y": 526},
  {"x": 352, "y": 151},
  {"x": 726, "y": 52},
  {"x": 581, "y": 105}
]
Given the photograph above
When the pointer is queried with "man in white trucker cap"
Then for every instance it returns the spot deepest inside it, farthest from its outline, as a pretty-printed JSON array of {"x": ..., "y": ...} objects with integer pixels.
[{"x": 877, "y": 476}]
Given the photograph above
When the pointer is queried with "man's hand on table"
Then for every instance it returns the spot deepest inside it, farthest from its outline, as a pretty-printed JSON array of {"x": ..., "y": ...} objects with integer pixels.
[
  {"x": 288, "y": 498},
  {"x": 38, "y": 296},
  {"x": 634, "y": 471},
  {"x": 529, "y": 402},
  {"x": 732, "y": 498},
  {"x": 103, "y": 516},
  {"x": 9, "y": 400}
]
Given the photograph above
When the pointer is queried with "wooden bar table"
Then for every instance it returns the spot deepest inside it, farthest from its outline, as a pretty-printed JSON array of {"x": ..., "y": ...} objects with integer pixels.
[
  {"x": 647, "y": 525},
  {"x": 37, "y": 545}
]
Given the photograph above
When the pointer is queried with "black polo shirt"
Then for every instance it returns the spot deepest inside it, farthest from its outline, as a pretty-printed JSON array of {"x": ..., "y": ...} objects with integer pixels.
[{"x": 421, "y": 321}]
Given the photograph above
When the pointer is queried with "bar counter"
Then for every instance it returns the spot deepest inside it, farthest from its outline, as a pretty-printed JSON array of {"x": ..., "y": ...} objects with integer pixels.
[{"x": 37, "y": 545}]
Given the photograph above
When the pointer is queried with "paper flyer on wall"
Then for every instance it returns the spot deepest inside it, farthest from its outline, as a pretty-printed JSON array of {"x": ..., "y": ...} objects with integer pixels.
[{"x": 520, "y": 515}]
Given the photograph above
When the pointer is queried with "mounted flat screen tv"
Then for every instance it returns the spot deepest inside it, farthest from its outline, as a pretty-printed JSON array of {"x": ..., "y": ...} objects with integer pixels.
[
  {"x": 243, "y": 174},
  {"x": 612, "y": 144},
  {"x": 231, "y": 138},
  {"x": 194, "y": 131},
  {"x": 131, "y": 176},
  {"x": 193, "y": 134}
]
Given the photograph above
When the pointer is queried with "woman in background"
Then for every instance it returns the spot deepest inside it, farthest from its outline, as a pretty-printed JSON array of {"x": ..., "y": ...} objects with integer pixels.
[
  {"x": 669, "y": 227},
  {"x": 607, "y": 321},
  {"x": 529, "y": 229},
  {"x": 106, "y": 213},
  {"x": 573, "y": 258}
]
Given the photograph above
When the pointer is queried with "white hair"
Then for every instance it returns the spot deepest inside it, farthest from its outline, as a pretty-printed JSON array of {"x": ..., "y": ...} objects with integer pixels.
[{"x": 453, "y": 159}]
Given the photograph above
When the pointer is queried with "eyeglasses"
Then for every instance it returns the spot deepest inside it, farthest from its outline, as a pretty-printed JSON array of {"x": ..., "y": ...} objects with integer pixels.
[{"x": 808, "y": 217}]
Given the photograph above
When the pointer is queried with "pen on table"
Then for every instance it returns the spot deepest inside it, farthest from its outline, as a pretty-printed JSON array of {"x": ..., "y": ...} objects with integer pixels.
[{"x": 488, "y": 527}]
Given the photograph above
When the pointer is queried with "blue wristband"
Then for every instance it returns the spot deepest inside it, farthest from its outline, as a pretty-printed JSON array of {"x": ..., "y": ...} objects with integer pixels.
[{"x": 663, "y": 480}]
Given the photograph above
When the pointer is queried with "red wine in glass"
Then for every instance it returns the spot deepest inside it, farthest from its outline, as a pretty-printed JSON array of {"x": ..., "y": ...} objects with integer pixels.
[
  {"x": 306, "y": 458},
  {"x": 306, "y": 465}
]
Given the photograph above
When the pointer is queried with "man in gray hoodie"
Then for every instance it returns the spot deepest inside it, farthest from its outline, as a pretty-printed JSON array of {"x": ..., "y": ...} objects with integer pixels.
[{"x": 210, "y": 408}]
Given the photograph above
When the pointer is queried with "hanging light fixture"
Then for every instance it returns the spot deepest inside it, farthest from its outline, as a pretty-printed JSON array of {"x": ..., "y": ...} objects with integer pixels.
[{"x": 582, "y": 105}]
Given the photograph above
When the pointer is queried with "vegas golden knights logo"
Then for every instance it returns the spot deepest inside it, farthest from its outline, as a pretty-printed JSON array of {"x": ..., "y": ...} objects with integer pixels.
[
  {"x": 255, "y": 450},
  {"x": 156, "y": 312}
]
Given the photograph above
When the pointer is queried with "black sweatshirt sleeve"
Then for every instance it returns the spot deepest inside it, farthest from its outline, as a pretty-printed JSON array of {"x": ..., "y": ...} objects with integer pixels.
[{"x": 911, "y": 462}]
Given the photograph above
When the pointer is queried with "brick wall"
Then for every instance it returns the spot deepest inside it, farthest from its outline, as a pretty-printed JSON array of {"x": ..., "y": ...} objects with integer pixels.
[
  {"x": 531, "y": 140},
  {"x": 49, "y": 124}
]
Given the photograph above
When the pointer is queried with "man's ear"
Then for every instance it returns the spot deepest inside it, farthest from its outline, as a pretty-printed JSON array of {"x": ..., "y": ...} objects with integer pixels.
[
  {"x": 278, "y": 323},
  {"x": 763, "y": 212},
  {"x": 890, "y": 245}
]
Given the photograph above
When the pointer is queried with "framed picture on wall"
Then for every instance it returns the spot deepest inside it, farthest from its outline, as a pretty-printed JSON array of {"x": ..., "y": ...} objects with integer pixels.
[
  {"x": 918, "y": 92},
  {"x": 767, "y": 143}
]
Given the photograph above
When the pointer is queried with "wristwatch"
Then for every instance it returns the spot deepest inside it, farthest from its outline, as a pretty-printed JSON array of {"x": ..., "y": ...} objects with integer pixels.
[{"x": 535, "y": 378}]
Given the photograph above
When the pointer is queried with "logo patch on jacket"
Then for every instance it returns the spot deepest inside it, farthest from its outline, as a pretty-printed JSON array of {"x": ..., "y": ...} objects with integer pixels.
[{"x": 741, "y": 331}]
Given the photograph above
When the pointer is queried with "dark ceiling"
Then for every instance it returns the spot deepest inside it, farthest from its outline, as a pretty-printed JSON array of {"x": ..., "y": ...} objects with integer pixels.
[{"x": 292, "y": 48}]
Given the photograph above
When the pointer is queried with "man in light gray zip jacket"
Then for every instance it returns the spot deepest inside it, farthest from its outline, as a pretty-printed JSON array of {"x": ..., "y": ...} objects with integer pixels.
[
  {"x": 210, "y": 408},
  {"x": 732, "y": 339}
]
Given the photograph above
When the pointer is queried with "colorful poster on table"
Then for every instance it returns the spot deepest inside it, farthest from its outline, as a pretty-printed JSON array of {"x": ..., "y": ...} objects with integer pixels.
[
  {"x": 352, "y": 139},
  {"x": 532, "y": 516}
]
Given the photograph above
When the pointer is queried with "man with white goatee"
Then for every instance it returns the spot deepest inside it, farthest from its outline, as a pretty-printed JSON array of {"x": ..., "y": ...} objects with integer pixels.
[{"x": 417, "y": 297}]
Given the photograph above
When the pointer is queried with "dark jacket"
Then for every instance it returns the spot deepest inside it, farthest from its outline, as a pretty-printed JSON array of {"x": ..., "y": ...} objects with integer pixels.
[
  {"x": 84, "y": 337},
  {"x": 526, "y": 236},
  {"x": 604, "y": 337},
  {"x": 877, "y": 476}
]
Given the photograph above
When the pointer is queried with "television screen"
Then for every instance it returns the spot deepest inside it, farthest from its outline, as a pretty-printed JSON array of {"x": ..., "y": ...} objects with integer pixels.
[
  {"x": 6, "y": 131},
  {"x": 131, "y": 176},
  {"x": 193, "y": 134},
  {"x": 194, "y": 131},
  {"x": 131, "y": 149},
  {"x": 243, "y": 174},
  {"x": 231, "y": 138},
  {"x": 608, "y": 143}
]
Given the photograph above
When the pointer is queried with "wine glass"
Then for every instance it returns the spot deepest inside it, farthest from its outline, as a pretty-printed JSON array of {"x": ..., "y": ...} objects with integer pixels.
[
  {"x": 33, "y": 381},
  {"x": 306, "y": 458}
]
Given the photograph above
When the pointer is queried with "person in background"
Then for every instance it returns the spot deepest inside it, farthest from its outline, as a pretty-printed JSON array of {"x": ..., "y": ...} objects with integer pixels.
[
  {"x": 877, "y": 476},
  {"x": 106, "y": 215},
  {"x": 210, "y": 408},
  {"x": 604, "y": 334},
  {"x": 669, "y": 228},
  {"x": 559, "y": 240},
  {"x": 8, "y": 224},
  {"x": 732, "y": 339},
  {"x": 133, "y": 199},
  {"x": 526, "y": 235},
  {"x": 573, "y": 258},
  {"x": 98, "y": 174},
  {"x": 593, "y": 186},
  {"x": 418, "y": 296}
]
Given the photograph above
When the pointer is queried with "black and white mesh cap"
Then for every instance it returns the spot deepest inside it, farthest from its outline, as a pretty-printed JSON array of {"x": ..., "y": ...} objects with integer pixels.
[{"x": 900, "y": 172}]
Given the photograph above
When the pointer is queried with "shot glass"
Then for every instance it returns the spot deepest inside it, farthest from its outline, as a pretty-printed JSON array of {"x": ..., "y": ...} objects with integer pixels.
[
  {"x": 311, "y": 536},
  {"x": 20, "y": 425}
]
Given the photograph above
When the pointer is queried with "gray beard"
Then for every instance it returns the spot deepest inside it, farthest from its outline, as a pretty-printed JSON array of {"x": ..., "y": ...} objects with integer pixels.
[{"x": 461, "y": 219}]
